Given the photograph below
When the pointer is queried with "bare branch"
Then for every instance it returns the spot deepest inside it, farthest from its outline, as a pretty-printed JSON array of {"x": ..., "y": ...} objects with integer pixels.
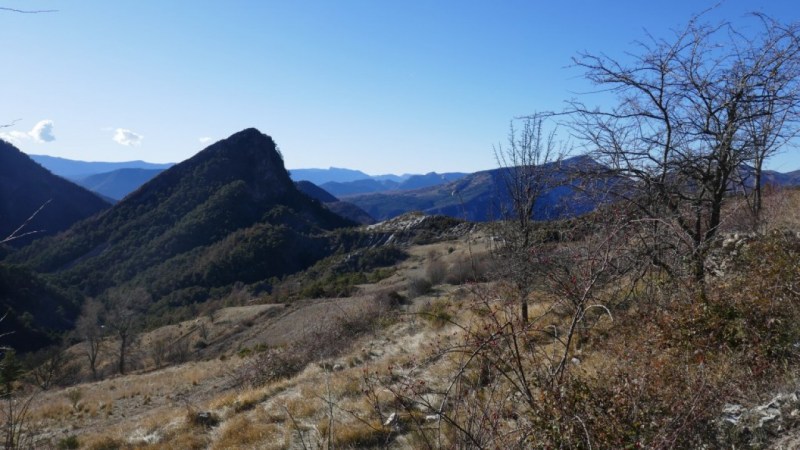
[
  {"x": 16, "y": 233},
  {"x": 28, "y": 11}
]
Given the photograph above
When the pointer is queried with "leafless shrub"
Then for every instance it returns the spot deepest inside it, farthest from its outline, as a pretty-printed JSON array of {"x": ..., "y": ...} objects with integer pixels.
[
  {"x": 179, "y": 351},
  {"x": 510, "y": 374},
  {"x": 467, "y": 270},
  {"x": 52, "y": 367},
  {"x": 201, "y": 419},
  {"x": 158, "y": 350},
  {"x": 74, "y": 396},
  {"x": 436, "y": 269},
  {"x": 419, "y": 286},
  {"x": 271, "y": 365},
  {"x": 387, "y": 300}
]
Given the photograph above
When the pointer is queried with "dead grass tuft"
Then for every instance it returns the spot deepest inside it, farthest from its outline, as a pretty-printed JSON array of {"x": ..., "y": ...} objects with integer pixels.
[{"x": 243, "y": 432}]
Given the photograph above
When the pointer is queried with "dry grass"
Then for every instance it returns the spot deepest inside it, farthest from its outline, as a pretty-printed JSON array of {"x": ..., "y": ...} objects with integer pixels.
[
  {"x": 244, "y": 432},
  {"x": 418, "y": 363}
]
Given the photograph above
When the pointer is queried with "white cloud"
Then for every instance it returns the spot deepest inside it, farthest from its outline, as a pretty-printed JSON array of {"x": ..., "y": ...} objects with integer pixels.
[
  {"x": 126, "y": 137},
  {"x": 205, "y": 140},
  {"x": 43, "y": 131},
  {"x": 14, "y": 137}
]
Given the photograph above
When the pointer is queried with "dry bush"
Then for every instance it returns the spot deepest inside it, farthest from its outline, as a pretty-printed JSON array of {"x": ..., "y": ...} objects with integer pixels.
[
  {"x": 436, "y": 270},
  {"x": 418, "y": 287},
  {"x": 105, "y": 443},
  {"x": 201, "y": 419},
  {"x": 669, "y": 369},
  {"x": 271, "y": 365},
  {"x": 514, "y": 382},
  {"x": 243, "y": 432},
  {"x": 356, "y": 434},
  {"x": 781, "y": 208},
  {"x": 467, "y": 270},
  {"x": 436, "y": 312},
  {"x": 52, "y": 367}
]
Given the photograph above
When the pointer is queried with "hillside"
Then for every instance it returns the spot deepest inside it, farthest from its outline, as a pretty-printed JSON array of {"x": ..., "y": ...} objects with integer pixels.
[
  {"x": 229, "y": 214},
  {"x": 25, "y": 186},
  {"x": 414, "y": 359},
  {"x": 36, "y": 312}
]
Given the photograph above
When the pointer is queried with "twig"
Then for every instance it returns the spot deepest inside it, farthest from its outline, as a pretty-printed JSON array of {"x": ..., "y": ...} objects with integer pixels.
[
  {"x": 296, "y": 427},
  {"x": 28, "y": 11},
  {"x": 14, "y": 235}
]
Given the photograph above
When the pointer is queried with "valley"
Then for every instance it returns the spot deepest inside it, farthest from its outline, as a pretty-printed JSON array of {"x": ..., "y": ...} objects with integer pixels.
[
  {"x": 223, "y": 305},
  {"x": 621, "y": 271}
]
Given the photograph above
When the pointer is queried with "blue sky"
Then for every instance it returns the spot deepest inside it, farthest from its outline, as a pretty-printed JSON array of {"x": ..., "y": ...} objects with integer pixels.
[{"x": 380, "y": 86}]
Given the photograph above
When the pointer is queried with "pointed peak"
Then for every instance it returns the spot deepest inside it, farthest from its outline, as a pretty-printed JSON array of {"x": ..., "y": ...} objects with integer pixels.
[{"x": 249, "y": 133}]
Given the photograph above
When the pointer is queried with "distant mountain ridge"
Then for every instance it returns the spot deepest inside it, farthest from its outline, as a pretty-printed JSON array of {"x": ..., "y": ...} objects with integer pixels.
[
  {"x": 74, "y": 169},
  {"x": 320, "y": 176},
  {"x": 481, "y": 196},
  {"x": 342, "y": 208},
  {"x": 340, "y": 182},
  {"x": 115, "y": 180},
  {"x": 371, "y": 185},
  {"x": 356, "y": 187},
  {"x": 118, "y": 183}
]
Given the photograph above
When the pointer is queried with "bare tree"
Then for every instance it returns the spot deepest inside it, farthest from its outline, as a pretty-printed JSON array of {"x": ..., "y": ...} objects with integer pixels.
[
  {"x": 773, "y": 99},
  {"x": 124, "y": 309},
  {"x": 90, "y": 329},
  {"x": 50, "y": 367},
  {"x": 679, "y": 131},
  {"x": 13, "y": 407},
  {"x": 528, "y": 169}
]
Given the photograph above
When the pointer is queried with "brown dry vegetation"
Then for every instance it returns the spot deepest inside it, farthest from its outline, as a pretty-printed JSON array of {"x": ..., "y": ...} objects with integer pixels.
[{"x": 653, "y": 367}]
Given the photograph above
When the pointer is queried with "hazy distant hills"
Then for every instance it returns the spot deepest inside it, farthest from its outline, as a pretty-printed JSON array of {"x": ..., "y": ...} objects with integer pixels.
[
  {"x": 113, "y": 180},
  {"x": 118, "y": 183},
  {"x": 429, "y": 179},
  {"x": 480, "y": 196},
  {"x": 25, "y": 186},
  {"x": 378, "y": 196},
  {"x": 770, "y": 177},
  {"x": 365, "y": 186},
  {"x": 371, "y": 185},
  {"x": 116, "y": 180},
  {"x": 344, "y": 209},
  {"x": 229, "y": 214},
  {"x": 333, "y": 174},
  {"x": 76, "y": 170}
]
